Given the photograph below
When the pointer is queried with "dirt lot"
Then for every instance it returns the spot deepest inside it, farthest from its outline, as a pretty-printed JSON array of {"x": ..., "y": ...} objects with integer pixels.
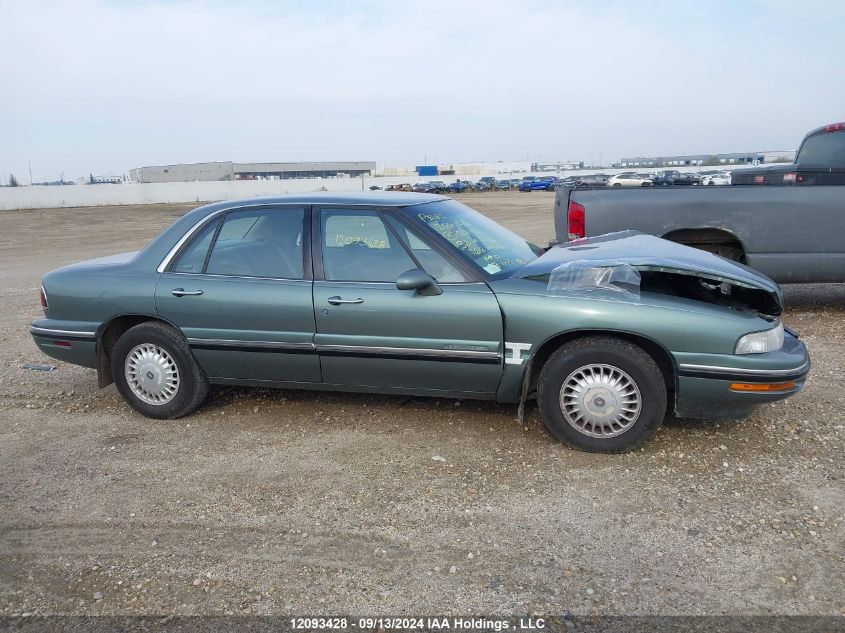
[{"x": 283, "y": 501}]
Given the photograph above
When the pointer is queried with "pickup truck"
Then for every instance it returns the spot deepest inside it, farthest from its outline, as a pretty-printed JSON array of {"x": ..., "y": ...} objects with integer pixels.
[
  {"x": 794, "y": 233},
  {"x": 820, "y": 161}
]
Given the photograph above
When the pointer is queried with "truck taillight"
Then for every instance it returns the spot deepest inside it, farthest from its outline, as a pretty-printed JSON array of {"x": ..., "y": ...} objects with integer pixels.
[
  {"x": 759, "y": 180},
  {"x": 835, "y": 127},
  {"x": 575, "y": 220},
  {"x": 43, "y": 299},
  {"x": 790, "y": 178}
]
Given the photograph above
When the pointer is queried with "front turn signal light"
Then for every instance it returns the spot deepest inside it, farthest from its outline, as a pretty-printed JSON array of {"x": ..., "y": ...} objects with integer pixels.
[{"x": 762, "y": 387}]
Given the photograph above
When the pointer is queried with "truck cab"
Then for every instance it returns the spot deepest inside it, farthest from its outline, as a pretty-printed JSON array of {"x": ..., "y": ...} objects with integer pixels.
[{"x": 820, "y": 161}]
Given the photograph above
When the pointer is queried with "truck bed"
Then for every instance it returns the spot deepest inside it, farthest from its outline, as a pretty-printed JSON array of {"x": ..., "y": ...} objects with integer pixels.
[{"x": 792, "y": 234}]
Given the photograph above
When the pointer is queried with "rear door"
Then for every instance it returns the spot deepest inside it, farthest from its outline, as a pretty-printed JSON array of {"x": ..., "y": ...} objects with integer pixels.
[
  {"x": 240, "y": 291},
  {"x": 371, "y": 335}
]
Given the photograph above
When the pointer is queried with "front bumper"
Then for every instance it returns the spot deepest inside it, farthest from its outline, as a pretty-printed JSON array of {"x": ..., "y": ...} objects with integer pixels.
[{"x": 707, "y": 383}]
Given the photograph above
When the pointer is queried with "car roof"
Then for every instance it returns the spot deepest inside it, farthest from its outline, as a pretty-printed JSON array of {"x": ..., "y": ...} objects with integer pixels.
[{"x": 375, "y": 198}]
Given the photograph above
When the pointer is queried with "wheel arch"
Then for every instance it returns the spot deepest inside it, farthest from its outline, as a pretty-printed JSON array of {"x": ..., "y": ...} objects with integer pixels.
[
  {"x": 714, "y": 237},
  {"x": 656, "y": 350},
  {"x": 110, "y": 331}
]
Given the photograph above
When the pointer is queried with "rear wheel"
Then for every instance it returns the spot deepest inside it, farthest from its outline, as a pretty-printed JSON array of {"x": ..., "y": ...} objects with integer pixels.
[
  {"x": 602, "y": 394},
  {"x": 155, "y": 372},
  {"x": 616, "y": 184}
]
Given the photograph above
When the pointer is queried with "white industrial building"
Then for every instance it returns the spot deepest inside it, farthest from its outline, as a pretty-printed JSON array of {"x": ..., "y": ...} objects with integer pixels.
[{"x": 228, "y": 170}]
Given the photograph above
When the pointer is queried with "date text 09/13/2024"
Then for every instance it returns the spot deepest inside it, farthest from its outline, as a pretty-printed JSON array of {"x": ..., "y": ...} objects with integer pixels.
[{"x": 417, "y": 623}]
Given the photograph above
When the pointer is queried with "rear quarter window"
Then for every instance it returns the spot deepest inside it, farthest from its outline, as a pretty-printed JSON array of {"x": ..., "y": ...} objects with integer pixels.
[{"x": 827, "y": 149}]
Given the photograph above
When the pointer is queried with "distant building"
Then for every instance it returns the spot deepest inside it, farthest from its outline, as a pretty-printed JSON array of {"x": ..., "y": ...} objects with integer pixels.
[
  {"x": 104, "y": 180},
  {"x": 228, "y": 170},
  {"x": 559, "y": 166},
  {"x": 740, "y": 158}
]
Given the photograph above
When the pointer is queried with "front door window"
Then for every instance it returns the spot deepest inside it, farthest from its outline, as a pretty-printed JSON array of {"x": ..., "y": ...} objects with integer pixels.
[{"x": 357, "y": 246}]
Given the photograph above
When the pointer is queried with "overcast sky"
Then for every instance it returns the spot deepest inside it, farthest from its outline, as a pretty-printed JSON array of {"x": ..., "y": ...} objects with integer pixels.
[{"x": 89, "y": 86}]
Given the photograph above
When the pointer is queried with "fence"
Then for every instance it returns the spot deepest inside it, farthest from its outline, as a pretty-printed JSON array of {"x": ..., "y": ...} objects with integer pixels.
[{"x": 44, "y": 197}]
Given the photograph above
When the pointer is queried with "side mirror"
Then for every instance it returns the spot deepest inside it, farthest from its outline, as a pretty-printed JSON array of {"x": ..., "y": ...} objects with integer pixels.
[{"x": 419, "y": 280}]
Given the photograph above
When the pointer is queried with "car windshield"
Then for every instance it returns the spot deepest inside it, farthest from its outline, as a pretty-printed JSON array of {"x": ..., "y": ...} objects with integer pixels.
[
  {"x": 487, "y": 244},
  {"x": 823, "y": 149}
]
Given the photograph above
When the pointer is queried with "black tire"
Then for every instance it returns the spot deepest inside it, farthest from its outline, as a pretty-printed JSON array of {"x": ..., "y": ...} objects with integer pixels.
[
  {"x": 193, "y": 384},
  {"x": 616, "y": 184},
  {"x": 617, "y": 353}
]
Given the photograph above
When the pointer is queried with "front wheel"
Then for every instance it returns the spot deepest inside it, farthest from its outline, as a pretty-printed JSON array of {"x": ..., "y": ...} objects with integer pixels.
[
  {"x": 155, "y": 372},
  {"x": 602, "y": 395}
]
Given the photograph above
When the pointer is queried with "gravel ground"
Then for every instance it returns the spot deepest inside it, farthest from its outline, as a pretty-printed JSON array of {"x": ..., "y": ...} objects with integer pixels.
[{"x": 267, "y": 502}]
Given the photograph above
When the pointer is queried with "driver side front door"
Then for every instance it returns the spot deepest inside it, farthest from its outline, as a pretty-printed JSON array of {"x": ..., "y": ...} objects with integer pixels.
[{"x": 373, "y": 336}]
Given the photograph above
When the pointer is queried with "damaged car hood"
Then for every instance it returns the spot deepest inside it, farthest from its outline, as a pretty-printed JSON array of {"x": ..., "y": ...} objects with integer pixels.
[{"x": 650, "y": 255}]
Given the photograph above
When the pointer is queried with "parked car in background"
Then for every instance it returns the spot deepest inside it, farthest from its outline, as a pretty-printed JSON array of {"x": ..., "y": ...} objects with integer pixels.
[
  {"x": 424, "y": 187},
  {"x": 515, "y": 182},
  {"x": 460, "y": 186},
  {"x": 402, "y": 187},
  {"x": 420, "y": 295},
  {"x": 569, "y": 181},
  {"x": 688, "y": 178},
  {"x": 674, "y": 177},
  {"x": 375, "y": 188},
  {"x": 484, "y": 185},
  {"x": 628, "y": 180},
  {"x": 820, "y": 161},
  {"x": 538, "y": 184},
  {"x": 592, "y": 180},
  {"x": 439, "y": 186},
  {"x": 665, "y": 178},
  {"x": 719, "y": 178},
  {"x": 503, "y": 185}
]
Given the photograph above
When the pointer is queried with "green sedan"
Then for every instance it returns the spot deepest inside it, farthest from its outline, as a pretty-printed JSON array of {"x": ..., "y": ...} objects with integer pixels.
[{"x": 418, "y": 294}]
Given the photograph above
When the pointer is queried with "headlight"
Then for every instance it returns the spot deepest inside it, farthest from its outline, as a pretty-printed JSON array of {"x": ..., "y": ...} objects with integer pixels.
[{"x": 760, "y": 342}]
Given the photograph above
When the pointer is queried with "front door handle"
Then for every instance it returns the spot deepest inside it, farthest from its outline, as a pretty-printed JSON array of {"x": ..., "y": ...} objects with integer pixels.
[
  {"x": 336, "y": 301},
  {"x": 181, "y": 292}
]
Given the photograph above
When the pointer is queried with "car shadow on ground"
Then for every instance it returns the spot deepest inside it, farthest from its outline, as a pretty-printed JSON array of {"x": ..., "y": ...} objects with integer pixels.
[{"x": 400, "y": 407}]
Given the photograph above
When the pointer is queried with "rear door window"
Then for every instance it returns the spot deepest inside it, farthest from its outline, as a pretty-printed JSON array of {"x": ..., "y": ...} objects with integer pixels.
[
  {"x": 192, "y": 258},
  {"x": 260, "y": 243}
]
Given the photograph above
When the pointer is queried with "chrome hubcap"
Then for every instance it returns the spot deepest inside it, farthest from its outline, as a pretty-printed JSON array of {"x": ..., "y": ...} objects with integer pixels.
[
  {"x": 600, "y": 401},
  {"x": 152, "y": 374}
]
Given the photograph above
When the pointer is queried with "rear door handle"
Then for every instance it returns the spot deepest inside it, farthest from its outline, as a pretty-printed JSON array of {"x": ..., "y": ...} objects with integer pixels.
[
  {"x": 336, "y": 301},
  {"x": 181, "y": 292}
]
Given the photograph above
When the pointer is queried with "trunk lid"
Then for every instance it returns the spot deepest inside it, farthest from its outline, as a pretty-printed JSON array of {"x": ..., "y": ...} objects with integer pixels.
[
  {"x": 100, "y": 262},
  {"x": 654, "y": 257}
]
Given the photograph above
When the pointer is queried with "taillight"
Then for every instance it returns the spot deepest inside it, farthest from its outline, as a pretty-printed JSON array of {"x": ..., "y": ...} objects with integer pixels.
[
  {"x": 575, "y": 220},
  {"x": 790, "y": 178},
  {"x": 43, "y": 299},
  {"x": 834, "y": 127},
  {"x": 759, "y": 180}
]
